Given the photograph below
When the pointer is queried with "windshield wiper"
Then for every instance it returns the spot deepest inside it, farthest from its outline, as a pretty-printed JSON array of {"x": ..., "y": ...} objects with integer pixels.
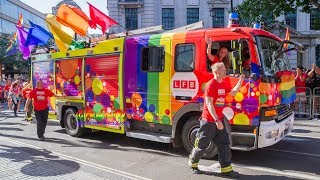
[{"x": 297, "y": 46}]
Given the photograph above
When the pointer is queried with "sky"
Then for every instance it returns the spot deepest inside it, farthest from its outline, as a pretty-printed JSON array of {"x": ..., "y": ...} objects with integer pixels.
[{"x": 45, "y": 6}]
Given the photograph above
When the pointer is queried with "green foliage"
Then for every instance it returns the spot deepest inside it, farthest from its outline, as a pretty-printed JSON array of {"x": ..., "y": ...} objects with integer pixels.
[
  {"x": 266, "y": 10},
  {"x": 15, "y": 60}
]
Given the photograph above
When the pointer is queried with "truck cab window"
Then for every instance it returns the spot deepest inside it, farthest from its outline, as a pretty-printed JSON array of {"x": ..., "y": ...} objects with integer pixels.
[
  {"x": 152, "y": 59},
  {"x": 184, "y": 58}
]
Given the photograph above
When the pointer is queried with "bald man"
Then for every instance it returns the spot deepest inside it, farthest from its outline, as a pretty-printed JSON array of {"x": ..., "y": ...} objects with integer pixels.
[{"x": 40, "y": 102}]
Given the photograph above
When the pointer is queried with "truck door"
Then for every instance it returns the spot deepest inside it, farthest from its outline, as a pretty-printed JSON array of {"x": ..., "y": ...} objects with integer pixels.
[
  {"x": 103, "y": 102},
  {"x": 147, "y": 78}
]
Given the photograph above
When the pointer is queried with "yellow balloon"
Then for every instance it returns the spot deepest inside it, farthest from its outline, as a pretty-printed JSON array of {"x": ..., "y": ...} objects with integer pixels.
[
  {"x": 97, "y": 86},
  {"x": 148, "y": 116},
  {"x": 128, "y": 100},
  {"x": 241, "y": 119},
  {"x": 238, "y": 97},
  {"x": 257, "y": 93},
  {"x": 112, "y": 98},
  {"x": 77, "y": 79}
]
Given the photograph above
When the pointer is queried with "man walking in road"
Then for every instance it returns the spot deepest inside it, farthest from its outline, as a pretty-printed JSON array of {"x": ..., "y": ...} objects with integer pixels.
[
  {"x": 40, "y": 102},
  {"x": 211, "y": 122}
]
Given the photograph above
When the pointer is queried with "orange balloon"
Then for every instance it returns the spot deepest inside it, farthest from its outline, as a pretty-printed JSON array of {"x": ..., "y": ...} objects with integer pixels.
[
  {"x": 264, "y": 87},
  {"x": 136, "y": 99},
  {"x": 68, "y": 68},
  {"x": 229, "y": 98},
  {"x": 88, "y": 83}
]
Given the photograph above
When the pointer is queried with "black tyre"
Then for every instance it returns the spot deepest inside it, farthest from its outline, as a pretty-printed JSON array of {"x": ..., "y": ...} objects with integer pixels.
[
  {"x": 72, "y": 124},
  {"x": 188, "y": 135}
]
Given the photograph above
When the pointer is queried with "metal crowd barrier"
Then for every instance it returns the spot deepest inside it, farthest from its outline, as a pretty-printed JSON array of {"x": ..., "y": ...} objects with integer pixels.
[
  {"x": 316, "y": 102},
  {"x": 303, "y": 104}
]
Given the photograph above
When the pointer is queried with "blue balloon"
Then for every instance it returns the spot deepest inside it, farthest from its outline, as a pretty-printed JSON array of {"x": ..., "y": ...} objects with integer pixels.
[{"x": 152, "y": 108}]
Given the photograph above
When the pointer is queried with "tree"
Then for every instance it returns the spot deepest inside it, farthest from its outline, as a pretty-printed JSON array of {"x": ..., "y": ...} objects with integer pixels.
[
  {"x": 12, "y": 62},
  {"x": 257, "y": 11}
]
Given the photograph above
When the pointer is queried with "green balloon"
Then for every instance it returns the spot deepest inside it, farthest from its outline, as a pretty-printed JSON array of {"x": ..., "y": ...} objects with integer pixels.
[
  {"x": 165, "y": 120},
  {"x": 116, "y": 103},
  {"x": 263, "y": 98},
  {"x": 97, "y": 108}
]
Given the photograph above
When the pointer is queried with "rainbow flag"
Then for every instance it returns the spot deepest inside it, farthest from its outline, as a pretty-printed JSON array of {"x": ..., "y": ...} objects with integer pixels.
[{"x": 287, "y": 87}]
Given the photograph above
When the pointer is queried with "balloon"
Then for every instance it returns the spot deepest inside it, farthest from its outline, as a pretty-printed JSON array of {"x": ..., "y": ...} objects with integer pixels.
[
  {"x": 68, "y": 68},
  {"x": 250, "y": 104},
  {"x": 136, "y": 99},
  {"x": 105, "y": 100},
  {"x": 97, "y": 86},
  {"x": 241, "y": 119},
  {"x": 165, "y": 120},
  {"x": 77, "y": 80},
  {"x": 148, "y": 116},
  {"x": 238, "y": 97},
  {"x": 152, "y": 108},
  {"x": 89, "y": 96}
]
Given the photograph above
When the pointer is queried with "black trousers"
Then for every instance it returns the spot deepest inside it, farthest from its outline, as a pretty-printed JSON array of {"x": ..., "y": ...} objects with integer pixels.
[
  {"x": 208, "y": 131},
  {"x": 42, "y": 119}
]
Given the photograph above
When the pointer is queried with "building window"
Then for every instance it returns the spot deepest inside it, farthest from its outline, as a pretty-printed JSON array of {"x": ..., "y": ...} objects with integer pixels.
[
  {"x": 152, "y": 59},
  {"x": 131, "y": 15},
  {"x": 218, "y": 17},
  {"x": 184, "y": 58},
  {"x": 192, "y": 15},
  {"x": 168, "y": 18},
  {"x": 291, "y": 19},
  {"x": 318, "y": 55},
  {"x": 315, "y": 19}
]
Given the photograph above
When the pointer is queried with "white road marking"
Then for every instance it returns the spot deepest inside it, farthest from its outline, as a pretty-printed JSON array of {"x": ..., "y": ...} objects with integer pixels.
[
  {"x": 299, "y": 135},
  {"x": 216, "y": 168},
  {"x": 293, "y": 152},
  {"x": 84, "y": 162}
]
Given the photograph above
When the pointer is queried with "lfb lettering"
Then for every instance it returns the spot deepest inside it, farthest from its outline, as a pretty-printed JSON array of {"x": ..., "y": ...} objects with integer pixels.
[{"x": 184, "y": 84}]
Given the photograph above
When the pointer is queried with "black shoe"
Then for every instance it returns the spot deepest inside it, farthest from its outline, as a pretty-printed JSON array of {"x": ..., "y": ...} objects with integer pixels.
[
  {"x": 231, "y": 174},
  {"x": 42, "y": 138},
  {"x": 196, "y": 171}
]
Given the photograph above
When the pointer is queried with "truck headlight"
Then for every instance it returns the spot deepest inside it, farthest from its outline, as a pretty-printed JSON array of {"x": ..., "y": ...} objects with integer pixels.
[{"x": 272, "y": 134}]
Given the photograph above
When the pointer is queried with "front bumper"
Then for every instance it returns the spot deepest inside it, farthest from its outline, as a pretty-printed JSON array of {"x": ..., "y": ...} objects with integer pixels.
[{"x": 283, "y": 128}]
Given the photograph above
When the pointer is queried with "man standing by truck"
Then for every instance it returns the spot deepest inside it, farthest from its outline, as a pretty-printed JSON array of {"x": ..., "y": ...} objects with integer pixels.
[
  {"x": 212, "y": 122},
  {"x": 40, "y": 102}
]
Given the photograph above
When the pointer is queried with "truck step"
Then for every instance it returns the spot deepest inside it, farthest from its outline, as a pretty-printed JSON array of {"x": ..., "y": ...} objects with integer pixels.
[
  {"x": 242, "y": 148},
  {"x": 243, "y": 134},
  {"x": 164, "y": 138}
]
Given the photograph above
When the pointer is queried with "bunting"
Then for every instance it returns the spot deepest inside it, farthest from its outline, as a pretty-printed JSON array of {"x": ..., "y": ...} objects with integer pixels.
[
  {"x": 37, "y": 35},
  {"x": 74, "y": 18},
  {"x": 99, "y": 18},
  {"x": 62, "y": 35}
]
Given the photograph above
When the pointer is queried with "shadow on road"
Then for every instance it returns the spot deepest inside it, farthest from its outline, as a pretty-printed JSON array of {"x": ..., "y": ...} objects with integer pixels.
[
  {"x": 10, "y": 129},
  {"x": 246, "y": 177},
  {"x": 284, "y": 156},
  {"x": 43, "y": 163}
]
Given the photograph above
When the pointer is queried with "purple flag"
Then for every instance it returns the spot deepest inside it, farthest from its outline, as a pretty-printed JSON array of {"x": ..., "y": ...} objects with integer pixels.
[{"x": 21, "y": 39}]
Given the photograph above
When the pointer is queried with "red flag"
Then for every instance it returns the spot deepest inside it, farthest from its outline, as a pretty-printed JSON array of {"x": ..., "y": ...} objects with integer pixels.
[{"x": 99, "y": 18}]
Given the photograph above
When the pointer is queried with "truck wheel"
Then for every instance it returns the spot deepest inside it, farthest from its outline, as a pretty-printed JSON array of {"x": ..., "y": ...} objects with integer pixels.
[
  {"x": 189, "y": 132},
  {"x": 71, "y": 123}
]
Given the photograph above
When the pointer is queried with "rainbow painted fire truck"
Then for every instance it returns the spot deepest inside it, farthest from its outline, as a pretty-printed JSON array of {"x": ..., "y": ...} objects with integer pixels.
[{"x": 151, "y": 86}]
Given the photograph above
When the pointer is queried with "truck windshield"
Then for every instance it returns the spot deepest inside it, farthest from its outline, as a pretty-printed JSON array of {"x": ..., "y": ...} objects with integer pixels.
[{"x": 272, "y": 57}]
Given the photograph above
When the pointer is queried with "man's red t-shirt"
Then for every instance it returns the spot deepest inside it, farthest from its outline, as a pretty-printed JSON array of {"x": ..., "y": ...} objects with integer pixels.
[
  {"x": 218, "y": 92},
  {"x": 301, "y": 85},
  {"x": 40, "y": 98}
]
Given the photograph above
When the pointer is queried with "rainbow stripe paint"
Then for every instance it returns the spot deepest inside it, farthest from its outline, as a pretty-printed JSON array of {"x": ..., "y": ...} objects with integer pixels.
[{"x": 287, "y": 87}]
